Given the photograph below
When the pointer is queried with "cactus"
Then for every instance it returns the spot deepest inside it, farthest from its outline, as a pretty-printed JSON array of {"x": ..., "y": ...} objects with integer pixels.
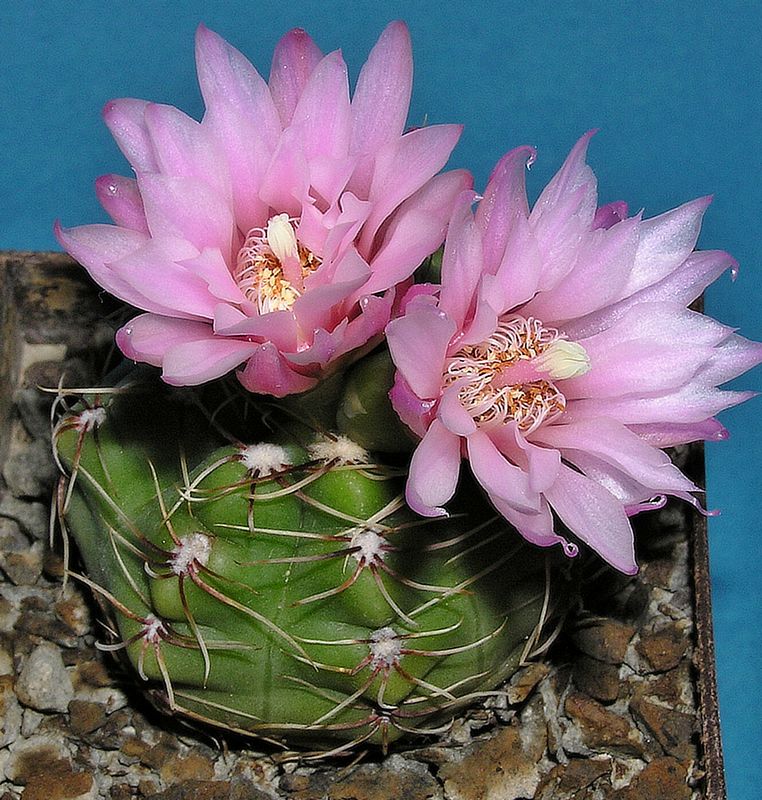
[{"x": 283, "y": 589}]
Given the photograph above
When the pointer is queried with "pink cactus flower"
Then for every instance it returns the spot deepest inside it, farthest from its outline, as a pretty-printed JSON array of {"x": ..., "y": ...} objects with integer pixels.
[
  {"x": 559, "y": 355},
  {"x": 270, "y": 236}
]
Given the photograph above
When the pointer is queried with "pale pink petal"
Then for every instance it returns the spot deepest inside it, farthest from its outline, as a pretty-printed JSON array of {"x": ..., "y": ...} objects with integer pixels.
[
  {"x": 228, "y": 82},
  {"x": 461, "y": 262},
  {"x": 594, "y": 515},
  {"x": 184, "y": 149},
  {"x": 121, "y": 200},
  {"x": 434, "y": 471},
  {"x": 267, "y": 372},
  {"x": 607, "y": 216},
  {"x": 638, "y": 367},
  {"x": 563, "y": 214},
  {"x": 417, "y": 229},
  {"x": 402, "y": 167},
  {"x": 604, "y": 264},
  {"x": 323, "y": 111},
  {"x": 210, "y": 266},
  {"x": 125, "y": 119},
  {"x": 347, "y": 336},
  {"x": 96, "y": 247},
  {"x": 614, "y": 443},
  {"x": 242, "y": 118},
  {"x": 500, "y": 478},
  {"x": 689, "y": 404},
  {"x": 147, "y": 338},
  {"x": 155, "y": 269},
  {"x": 417, "y": 414},
  {"x": 294, "y": 60},
  {"x": 452, "y": 414},
  {"x": 382, "y": 96},
  {"x": 730, "y": 359},
  {"x": 669, "y": 434},
  {"x": 418, "y": 344},
  {"x": 540, "y": 463},
  {"x": 665, "y": 242},
  {"x": 505, "y": 198},
  {"x": 194, "y": 362},
  {"x": 536, "y": 527},
  {"x": 521, "y": 268},
  {"x": 188, "y": 209},
  {"x": 278, "y": 327},
  {"x": 681, "y": 287},
  {"x": 285, "y": 184}
]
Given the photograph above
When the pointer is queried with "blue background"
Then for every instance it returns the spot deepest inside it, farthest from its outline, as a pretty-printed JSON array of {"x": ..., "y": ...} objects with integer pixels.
[{"x": 674, "y": 88}]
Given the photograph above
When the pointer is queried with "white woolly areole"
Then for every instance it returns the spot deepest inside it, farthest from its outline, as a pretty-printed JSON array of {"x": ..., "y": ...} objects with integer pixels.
[
  {"x": 154, "y": 629},
  {"x": 265, "y": 458},
  {"x": 194, "y": 548},
  {"x": 385, "y": 648},
  {"x": 370, "y": 544},
  {"x": 91, "y": 418},
  {"x": 341, "y": 450}
]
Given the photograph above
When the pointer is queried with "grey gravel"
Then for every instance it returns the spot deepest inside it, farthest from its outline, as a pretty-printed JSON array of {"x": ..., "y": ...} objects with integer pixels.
[{"x": 44, "y": 684}]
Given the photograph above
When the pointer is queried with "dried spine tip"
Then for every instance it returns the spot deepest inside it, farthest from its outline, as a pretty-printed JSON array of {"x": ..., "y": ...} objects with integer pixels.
[
  {"x": 340, "y": 450},
  {"x": 264, "y": 459}
]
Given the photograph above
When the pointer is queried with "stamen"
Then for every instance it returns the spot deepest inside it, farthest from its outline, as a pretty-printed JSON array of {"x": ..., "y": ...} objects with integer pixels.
[
  {"x": 509, "y": 376},
  {"x": 272, "y": 265}
]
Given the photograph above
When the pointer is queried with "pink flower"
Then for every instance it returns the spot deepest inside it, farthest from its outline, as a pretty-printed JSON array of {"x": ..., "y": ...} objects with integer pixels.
[
  {"x": 271, "y": 234},
  {"x": 558, "y": 356}
]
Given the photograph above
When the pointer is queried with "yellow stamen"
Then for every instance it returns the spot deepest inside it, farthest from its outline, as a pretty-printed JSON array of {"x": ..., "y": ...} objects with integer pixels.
[{"x": 260, "y": 265}]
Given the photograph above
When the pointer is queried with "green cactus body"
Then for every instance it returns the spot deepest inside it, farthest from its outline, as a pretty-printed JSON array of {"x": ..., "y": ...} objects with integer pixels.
[{"x": 285, "y": 590}]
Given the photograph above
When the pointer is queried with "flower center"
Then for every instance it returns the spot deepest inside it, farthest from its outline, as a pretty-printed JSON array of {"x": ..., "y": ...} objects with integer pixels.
[
  {"x": 510, "y": 376},
  {"x": 272, "y": 265}
]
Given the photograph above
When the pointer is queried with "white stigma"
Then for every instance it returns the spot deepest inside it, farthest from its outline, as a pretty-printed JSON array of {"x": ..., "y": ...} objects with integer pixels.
[
  {"x": 192, "y": 549},
  {"x": 265, "y": 458},
  {"x": 370, "y": 544},
  {"x": 385, "y": 648},
  {"x": 563, "y": 360},
  {"x": 341, "y": 450},
  {"x": 91, "y": 418},
  {"x": 281, "y": 238}
]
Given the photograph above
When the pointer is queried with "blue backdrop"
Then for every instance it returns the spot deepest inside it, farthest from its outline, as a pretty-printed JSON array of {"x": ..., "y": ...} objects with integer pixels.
[{"x": 674, "y": 88}]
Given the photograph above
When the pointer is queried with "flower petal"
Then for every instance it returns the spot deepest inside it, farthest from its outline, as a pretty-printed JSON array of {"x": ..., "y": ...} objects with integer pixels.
[
  {"x": 595, "y": 516},
  {"x": 418, "y": 343},
  {"x": 121, "y": 200},
  {"x": 125, "y": 118},
  {"x": 434, "y": 471},
  {"x": 146, "y": 338},
  {"x": 294, "y": 60},
  {"x": 500, "y": 478},
  {"x": 505, "y": 198},
  {"x": 268, "y": 372},
  {"x": 381, "y": 99}
]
